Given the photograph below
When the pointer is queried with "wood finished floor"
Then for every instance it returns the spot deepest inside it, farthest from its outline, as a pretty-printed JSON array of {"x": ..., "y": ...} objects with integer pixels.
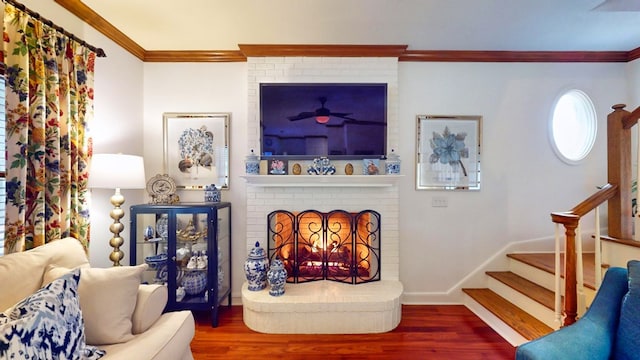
[{"x": 449, "y": 332}]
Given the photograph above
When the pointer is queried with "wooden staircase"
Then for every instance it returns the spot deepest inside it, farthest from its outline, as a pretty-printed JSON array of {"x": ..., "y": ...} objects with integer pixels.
[{"x": 522, "y": 297}]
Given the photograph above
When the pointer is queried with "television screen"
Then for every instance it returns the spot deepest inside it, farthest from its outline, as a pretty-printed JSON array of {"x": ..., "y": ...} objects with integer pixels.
[{"x": 340, "y": 121}]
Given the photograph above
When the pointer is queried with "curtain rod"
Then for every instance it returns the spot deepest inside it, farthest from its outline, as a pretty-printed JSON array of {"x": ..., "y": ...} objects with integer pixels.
[{"x": 99, "y": 52}]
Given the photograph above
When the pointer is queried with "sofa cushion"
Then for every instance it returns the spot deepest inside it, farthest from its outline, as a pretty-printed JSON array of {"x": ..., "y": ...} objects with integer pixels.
[
  {"x": 47, "y": 325},
  {"x": 628, "y": 334},
  {"x": 22, "y": 272},
  {"x": 151, "y": 302},
  {"x": 107, "y": 299}
]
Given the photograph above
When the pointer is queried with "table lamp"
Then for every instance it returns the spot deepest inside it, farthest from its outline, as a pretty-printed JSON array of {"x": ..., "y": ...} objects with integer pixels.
[{"x": 116, "y": 171}]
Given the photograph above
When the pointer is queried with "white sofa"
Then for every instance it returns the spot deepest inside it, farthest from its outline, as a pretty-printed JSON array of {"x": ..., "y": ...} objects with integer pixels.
[{"x": 148, "y": 333}]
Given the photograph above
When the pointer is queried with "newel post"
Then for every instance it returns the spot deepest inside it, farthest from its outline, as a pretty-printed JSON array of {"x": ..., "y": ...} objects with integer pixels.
[
  {"x": 570, "y": 222},
  {"x": 620, "y": 221}
]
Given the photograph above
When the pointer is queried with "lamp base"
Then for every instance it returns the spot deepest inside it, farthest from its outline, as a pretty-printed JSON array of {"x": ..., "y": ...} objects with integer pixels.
[{"x": 116, "y": 228}]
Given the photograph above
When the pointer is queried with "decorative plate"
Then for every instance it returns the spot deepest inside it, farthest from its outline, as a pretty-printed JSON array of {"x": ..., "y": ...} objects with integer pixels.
[{"x": 162, "y": 189}]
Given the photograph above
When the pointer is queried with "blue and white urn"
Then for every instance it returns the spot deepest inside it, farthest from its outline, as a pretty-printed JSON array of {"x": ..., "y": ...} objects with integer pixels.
[
  {"x": 252, "y": 164},
  {"x": 255, "y": 268},
  {"x": 277, "y": 276}
]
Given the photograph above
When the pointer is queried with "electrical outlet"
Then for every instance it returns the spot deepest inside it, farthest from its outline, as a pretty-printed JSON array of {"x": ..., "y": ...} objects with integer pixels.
[{"x": 439, "y": 202}]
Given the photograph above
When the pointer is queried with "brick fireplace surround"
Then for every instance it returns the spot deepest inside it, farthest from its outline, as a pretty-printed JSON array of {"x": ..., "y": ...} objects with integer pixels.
[{"x": 325, "y": 306}]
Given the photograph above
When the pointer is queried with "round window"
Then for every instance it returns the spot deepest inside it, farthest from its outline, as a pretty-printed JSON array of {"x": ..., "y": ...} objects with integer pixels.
[{"x": 573, "y": 126}]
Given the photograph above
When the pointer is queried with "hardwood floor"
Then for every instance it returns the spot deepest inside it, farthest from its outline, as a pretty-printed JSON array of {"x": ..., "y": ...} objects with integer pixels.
[{"x": 448, "y": 332}]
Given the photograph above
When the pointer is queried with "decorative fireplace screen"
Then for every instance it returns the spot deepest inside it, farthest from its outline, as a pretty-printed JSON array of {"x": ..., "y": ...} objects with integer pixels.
[{"x": 337, "y": 245}]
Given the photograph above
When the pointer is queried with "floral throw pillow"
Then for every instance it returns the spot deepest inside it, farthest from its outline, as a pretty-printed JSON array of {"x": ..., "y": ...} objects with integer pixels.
[{"x": 47, "y": 325}]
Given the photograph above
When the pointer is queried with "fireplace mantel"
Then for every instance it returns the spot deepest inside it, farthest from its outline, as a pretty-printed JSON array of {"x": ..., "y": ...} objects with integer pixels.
[{"x": 322, "y": 180}]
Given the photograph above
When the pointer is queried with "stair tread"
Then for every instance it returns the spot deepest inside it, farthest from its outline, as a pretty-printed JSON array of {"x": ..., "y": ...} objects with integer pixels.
[
  {"x": 546, "y": 262},
  {"x": 526, "y": 325},
  {"x": 532, "y": 290}
]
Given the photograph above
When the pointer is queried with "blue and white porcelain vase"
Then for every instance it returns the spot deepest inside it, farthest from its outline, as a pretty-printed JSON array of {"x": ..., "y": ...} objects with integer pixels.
[
  {"x": 277, "y": 276},
  {"x": 252, "y": 164},
  {"x": 194, "y": 282},
  {"x": 255, "y": 268},
  {"x": 212, "y": 193},
  {"x": 392, "y": 164}
]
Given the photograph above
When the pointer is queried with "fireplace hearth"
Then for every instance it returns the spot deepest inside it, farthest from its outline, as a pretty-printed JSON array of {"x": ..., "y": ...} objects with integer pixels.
[{"x": 338, "y": 245}]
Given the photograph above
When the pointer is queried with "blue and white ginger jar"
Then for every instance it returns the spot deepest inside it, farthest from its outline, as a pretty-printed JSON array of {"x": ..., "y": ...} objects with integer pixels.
[
  {"x": 252, "y": 164},
  {"x": 255, "y": 268},
  {"x": 392, "y": 164},
  {"x": 212, "y": 193},
  {"x": 277, "y": 276},
  {"x": 194, "y": 282}
]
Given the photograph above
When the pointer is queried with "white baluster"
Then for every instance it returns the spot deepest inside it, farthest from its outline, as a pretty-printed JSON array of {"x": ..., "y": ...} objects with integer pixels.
[
  {"x": 579, "y": 272},
  {"x": 558, "y": 280},
  {"x": 598, "y": 250}
]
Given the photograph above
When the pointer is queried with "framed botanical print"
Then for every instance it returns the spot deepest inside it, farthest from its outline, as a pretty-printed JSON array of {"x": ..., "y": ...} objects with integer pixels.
[
  {"x": 448, "y": 152},
  {"x": 196, "y": 149}
]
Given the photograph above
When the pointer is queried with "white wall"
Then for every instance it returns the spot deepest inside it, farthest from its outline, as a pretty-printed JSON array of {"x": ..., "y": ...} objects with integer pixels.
[
  {"x": 194, "y": 87},
  {"x": 522, "y": 181}
]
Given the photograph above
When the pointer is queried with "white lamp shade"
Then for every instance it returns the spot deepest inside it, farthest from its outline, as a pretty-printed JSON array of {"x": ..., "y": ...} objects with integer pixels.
[{"x": 117, "y": 171}]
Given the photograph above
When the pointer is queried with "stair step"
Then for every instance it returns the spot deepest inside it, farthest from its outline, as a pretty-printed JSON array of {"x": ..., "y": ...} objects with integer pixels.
[
  {"x": 546, "y": 262},
  {"x": 525, "y": 324},
  {"x": 532, "y": 290}
]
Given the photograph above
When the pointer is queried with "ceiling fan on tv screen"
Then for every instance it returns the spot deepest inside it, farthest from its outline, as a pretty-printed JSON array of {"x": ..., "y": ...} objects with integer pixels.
[{"x": 322, "y": 115}]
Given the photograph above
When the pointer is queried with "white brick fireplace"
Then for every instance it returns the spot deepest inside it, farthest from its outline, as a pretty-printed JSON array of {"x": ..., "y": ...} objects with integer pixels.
[{"x": 350, "y": 193}]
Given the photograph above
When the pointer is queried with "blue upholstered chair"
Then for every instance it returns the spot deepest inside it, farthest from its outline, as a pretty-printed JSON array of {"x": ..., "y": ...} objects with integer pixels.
[{"x": 610, "y": 329}]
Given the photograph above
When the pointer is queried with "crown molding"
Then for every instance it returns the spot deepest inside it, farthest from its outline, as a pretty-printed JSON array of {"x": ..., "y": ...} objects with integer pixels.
[
  {"x": 514, "y": 56},
  {"x": 94, "y": 20},
  {"x": 633, "y": 54},
  {"x": 251, "y": 50},
  {"x": 86, "y": 14},
  {"x": 194, "y": 56}
]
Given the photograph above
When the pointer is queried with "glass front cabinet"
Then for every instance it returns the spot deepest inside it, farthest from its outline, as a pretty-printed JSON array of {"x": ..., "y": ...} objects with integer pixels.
[{"x": 188, "y": 248}]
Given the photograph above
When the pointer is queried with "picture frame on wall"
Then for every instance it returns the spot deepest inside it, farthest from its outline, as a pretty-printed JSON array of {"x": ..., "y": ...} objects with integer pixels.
[
  {"x": 448, "y": 152},
  {"x": 196, "y": 149}
]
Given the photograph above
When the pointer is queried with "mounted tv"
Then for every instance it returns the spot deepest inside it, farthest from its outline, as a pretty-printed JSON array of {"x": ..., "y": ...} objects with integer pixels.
[{"x": 309, "y": 120}]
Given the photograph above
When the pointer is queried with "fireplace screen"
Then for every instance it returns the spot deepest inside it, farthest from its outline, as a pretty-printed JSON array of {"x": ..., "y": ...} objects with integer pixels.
[{"x": 338, "y": 245}]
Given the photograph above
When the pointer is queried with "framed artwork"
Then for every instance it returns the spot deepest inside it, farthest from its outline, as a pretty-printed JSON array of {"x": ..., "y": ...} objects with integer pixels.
[
  {"x": 371, "y": 166},
  {"x": 196, "y": 149},
  {"x": 278, "y": 167},
  {"x": 448, "y": 152}
]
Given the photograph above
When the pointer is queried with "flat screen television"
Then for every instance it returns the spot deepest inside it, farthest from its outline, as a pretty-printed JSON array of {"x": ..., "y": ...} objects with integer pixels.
[{"x": 336, "y": 120}]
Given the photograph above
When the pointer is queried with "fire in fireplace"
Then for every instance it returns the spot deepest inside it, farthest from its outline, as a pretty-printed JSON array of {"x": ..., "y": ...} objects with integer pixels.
[{"x": 337, "y": 245}]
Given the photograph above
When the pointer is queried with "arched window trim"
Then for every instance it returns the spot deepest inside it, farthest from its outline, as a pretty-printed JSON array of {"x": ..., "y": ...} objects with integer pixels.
[{"x": 588, "y": 120}]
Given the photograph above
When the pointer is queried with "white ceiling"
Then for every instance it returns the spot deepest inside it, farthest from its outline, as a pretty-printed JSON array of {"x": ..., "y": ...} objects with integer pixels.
[{"x": 516, "y": 25}]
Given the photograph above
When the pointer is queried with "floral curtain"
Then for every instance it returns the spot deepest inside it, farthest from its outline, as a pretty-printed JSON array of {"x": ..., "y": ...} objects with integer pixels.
[{"x": 49, "y": 102}]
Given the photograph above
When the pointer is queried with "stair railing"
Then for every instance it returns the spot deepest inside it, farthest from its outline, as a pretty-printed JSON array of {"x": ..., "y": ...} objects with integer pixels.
[
  {"x": 573, "y": 250},
  {"x": 617, "y": 194}
]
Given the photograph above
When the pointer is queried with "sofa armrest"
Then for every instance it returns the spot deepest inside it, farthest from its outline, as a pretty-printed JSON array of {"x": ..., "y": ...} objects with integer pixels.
[
  {"x": 592, "y": 336},
  {"x": 150, "y": 304}
]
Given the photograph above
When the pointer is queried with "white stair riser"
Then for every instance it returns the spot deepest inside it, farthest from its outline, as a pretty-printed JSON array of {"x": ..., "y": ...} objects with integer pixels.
[
  {"x": 616, "y": 254},
  {"x": 504, "y": 330},
  {"x": 544, "y": 278},
  {"x": 524, "y": 302}
]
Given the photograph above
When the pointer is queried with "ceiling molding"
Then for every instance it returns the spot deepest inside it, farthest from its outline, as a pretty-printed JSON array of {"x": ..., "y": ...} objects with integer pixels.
[
  {"x": 323, "y": 50},
  {"x": 633, "y": 54},
  {"x": 514, "y": 56},
  {"x": 86, "y": 14},
  {"x": 90, "y": 17},
  {"x": 195, "y": 56}
]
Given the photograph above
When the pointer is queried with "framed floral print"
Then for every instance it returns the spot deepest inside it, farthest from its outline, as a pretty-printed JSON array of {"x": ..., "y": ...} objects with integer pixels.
[
  {"x": 448, "y": 152},
  {"x": 196, "y": 149}
]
